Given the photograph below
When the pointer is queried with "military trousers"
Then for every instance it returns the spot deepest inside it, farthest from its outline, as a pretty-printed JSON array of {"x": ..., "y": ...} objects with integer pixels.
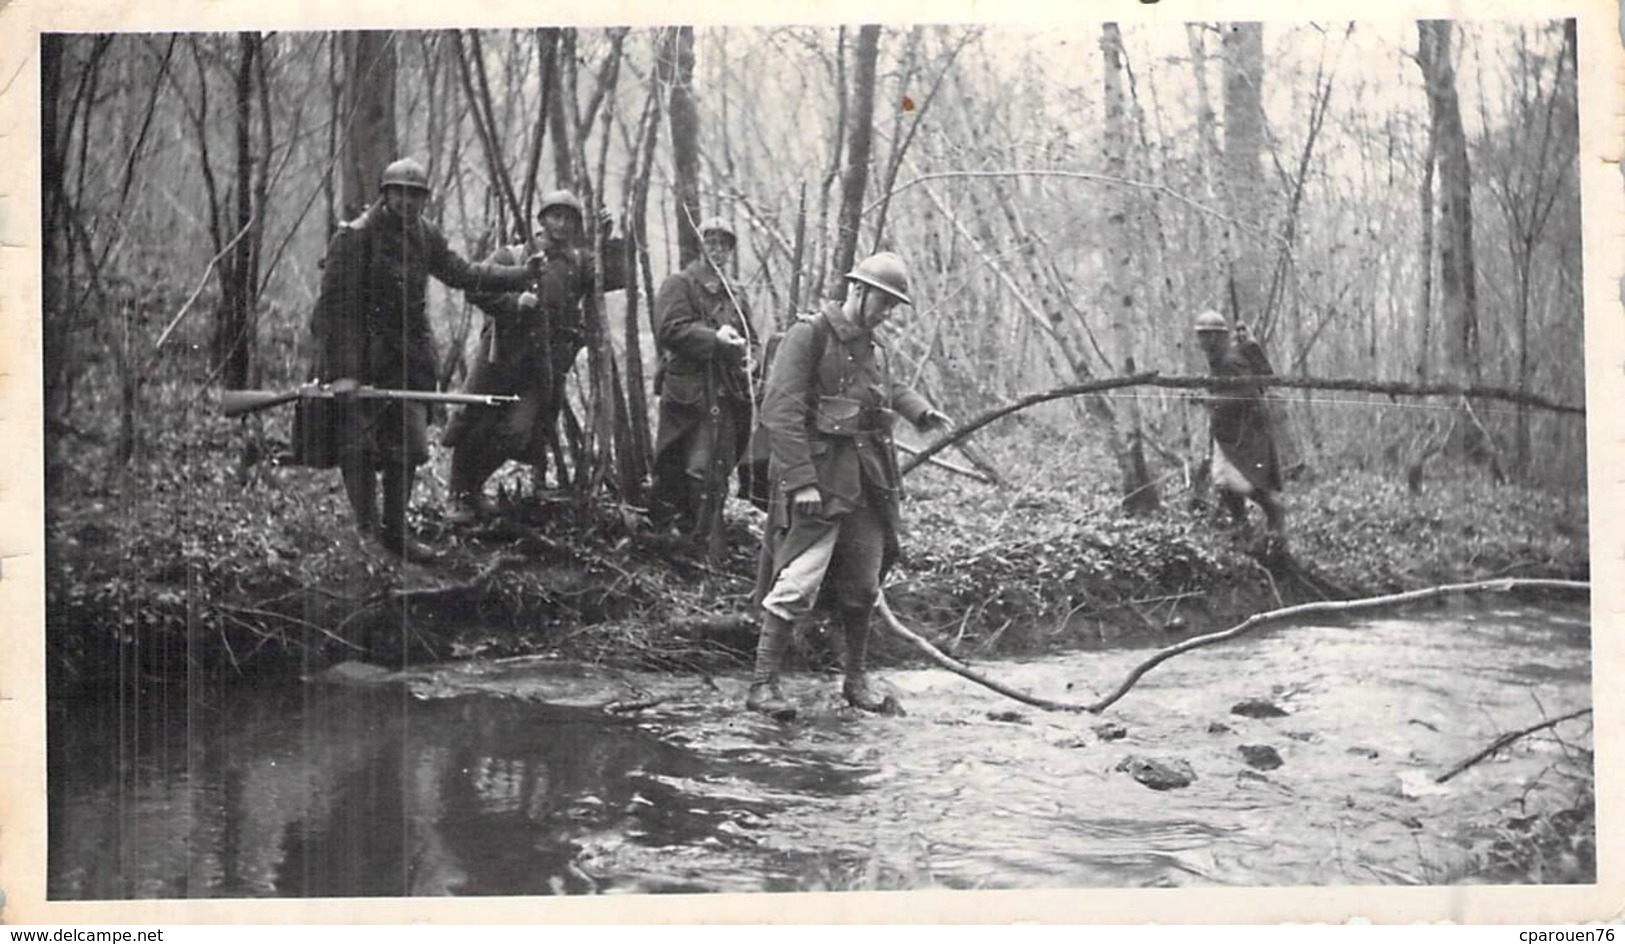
[{"x": 848, "y": 551}]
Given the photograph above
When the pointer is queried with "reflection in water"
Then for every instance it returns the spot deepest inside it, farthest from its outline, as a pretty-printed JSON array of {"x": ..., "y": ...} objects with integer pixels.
[{"x": 211, "y": 790}]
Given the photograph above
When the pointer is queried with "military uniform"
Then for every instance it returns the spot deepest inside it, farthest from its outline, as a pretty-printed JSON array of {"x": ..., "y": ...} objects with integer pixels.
[
  {"x": 1246, "y": 463},
  {"x": 1241, "y": 423},
  {"x": 528, "y": 353},
  {"x": 705, "y": 396},
  {"x": 827, "y": 413},
  {"x": 371, "y": 324}
]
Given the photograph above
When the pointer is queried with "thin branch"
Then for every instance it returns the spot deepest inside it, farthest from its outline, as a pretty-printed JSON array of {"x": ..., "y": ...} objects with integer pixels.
[
  {"x": 1330, "y": 606},
  {"x": 1506, "y": 739}
]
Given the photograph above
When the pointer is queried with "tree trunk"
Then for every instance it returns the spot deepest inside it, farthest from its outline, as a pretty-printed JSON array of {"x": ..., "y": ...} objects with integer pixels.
[
  {"x": 56, "y": 247},
  {"x": 1458, "y": 297},
  {"x": 1139, "y": 490},
  {"x": 1243, "y": 169},
  {"x": 859, "y": 144},
  {"x": 234, "y": 334},
  {"x": 677, "y": 68},
  {"x": 369, "y": 98}
]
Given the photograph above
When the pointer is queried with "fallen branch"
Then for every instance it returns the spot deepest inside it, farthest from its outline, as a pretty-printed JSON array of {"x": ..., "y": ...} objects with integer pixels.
[
  {"x": 1506, "y": 739},
  {"x": 959, "y": 668},
  {"x": 1333, "y": 606},
  {"x": 1251, "y": 623},
  {"x": 1153, "y": 379}
]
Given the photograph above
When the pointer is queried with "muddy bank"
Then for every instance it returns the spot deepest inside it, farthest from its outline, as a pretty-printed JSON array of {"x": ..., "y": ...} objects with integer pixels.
[{"x": 266, "y": 578}]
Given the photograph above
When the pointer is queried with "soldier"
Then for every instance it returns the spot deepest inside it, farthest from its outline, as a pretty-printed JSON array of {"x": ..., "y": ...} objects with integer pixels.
[
  {"x": 704, "y": 334},
  {"x": 1245, "y": 464},
  {"x": 827, "y": 410},
  {"x": 527, "y": 347},
  {"x": 371, "y": 326}
]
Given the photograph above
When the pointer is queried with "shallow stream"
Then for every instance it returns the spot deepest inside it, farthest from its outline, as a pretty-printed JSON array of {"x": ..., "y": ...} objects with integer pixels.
[{"x": 509, "y": 777}]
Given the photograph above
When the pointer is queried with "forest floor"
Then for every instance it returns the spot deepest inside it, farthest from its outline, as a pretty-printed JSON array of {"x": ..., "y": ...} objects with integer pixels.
[
  {"x": 201, "y": 554},
  {"x": 202, "y": 551}
]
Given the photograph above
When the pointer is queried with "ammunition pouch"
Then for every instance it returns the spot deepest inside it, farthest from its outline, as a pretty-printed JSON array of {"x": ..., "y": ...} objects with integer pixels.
[{"x": 843, "y": 416}]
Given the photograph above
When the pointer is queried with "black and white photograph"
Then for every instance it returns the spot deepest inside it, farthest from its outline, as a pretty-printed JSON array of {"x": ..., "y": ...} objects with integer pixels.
[{"x": 702, "y": 457}]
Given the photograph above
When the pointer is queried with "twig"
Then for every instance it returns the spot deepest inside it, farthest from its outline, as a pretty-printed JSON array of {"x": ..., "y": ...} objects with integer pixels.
[
  {"x": 953, "y": 467},
  {"x": 1339, "y": 606},
  {"x": 255, "y": 611},
  {"x": 1506, "y": 739}
]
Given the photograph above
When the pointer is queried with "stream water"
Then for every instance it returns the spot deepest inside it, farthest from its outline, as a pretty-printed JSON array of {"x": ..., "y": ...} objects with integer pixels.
[{"x": 507, "y": 778}]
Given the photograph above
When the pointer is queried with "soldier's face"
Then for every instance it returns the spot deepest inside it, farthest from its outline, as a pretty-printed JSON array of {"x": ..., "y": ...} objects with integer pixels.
[
  {"x": 718, "y": 249},
  {"x": 873, "y": 306},
  {"x": 1214, "y": 343},
  {"x": 558, "y": 223},
  {"x": 406, "y": 202}
]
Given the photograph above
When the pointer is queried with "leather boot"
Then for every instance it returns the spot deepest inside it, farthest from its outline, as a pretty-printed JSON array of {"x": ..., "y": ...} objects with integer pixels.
[
  {"x": 470, "y": 467},
  {"x": 855, "y": 687},
  {"x": 361, "y": 488},
  {"x": 392, "y": 532},
  {"x": 765, "y": 695}
]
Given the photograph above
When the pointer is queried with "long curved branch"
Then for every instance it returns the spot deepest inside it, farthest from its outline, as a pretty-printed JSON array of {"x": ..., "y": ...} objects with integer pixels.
[
  {"x": 1154, "y": 379},
  {"x": 1328, "y": 606},
  {"x": 1251, "y": 623}
]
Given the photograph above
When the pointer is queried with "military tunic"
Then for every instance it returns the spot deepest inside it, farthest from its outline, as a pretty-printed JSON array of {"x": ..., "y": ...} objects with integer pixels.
[
  {"x": 1241, "y": 423},
  {"x": 828, "y": 419},
  {"x": 529, "y": 353},
  {"x": 371, "y": 323},
  {"x": 705, "y": 393}
]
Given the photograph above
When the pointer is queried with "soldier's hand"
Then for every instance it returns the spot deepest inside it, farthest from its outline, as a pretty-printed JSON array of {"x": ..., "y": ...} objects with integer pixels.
[
  {"x": 606, "y": 222},
  {"x": 529, "y": 301},
  {"x": 805, "y": 500},
  {"x": 934, "y": 419},
  {"x": 344, "y": 388}
]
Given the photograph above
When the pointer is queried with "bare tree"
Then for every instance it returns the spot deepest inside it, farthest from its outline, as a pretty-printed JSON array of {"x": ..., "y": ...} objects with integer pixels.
[{"x": 855, "y": 180}]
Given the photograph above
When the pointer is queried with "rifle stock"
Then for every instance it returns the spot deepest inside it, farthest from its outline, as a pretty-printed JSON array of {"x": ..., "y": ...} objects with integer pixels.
[{"x": 240, "y": 402}]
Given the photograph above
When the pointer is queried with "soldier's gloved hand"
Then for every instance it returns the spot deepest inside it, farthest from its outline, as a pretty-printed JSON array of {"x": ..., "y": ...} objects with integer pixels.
[
  {"x": 805, "y": 500},
  {"x": 606, "y": 222},
  {"x": 933, "y": 419},
  {"x": 536, "y": 262},
  {"x": 344, "y": 388},
  {"x": 529, "y": 301}
]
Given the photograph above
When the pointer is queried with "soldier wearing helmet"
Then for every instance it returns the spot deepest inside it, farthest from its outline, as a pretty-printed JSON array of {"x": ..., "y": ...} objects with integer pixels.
[
  {"x": 1245, "y": 461},
  {"x": 371, "y": 327},
  {"x": 833, "y": 519},
  {"x": 705, "y": 337},
  {"x": 527, "y": 347}
]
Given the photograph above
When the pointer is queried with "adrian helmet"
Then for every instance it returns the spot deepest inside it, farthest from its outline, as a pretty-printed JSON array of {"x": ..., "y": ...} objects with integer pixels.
[
  {"x": 885, "y": 271},
  {"x": 1211, "y": 321},
  {"x": 717, "y": 224},
  {"x": 405, "y": 173},
  {"x": 562, "y": 198}
]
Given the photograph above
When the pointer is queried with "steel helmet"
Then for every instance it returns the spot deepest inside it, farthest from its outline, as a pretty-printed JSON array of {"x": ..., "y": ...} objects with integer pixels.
[
  {"x": 1211, "y": 321},
  {"x": 885, "y": 271},
  {"x": 562, "y": 198},
  {"x": 405, "y": 173},
  {"x": 717, "y": 224}
]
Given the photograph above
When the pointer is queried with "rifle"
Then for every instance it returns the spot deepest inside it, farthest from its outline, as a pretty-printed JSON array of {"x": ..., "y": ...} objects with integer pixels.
[{"x": 239, "y": 402}]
